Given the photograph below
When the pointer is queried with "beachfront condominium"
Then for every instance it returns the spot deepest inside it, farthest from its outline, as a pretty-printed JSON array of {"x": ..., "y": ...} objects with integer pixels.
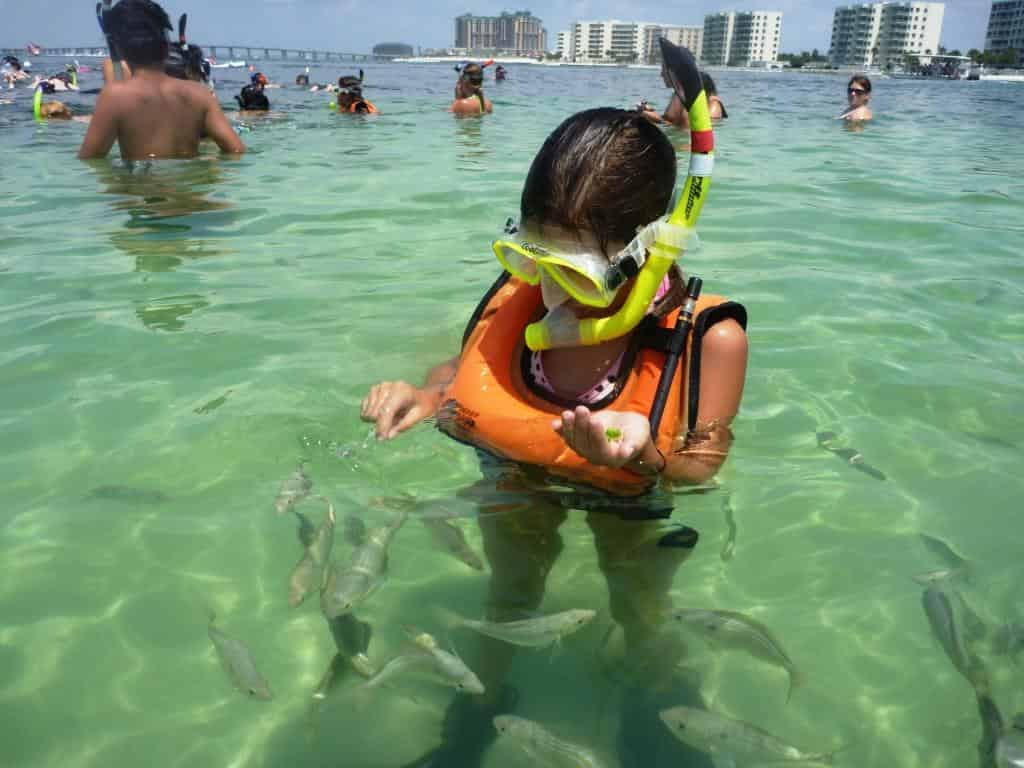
[
  {"x": 629, "y": 42},
  {"x": 1006, "y": 27},
  {"x": 687, "y": 37},
  {"x": 884, "y": 34},
  {"x": 518, "y": 33},
  {"x": 563, "y": 45},
  {"x": 741, "y": 38}
]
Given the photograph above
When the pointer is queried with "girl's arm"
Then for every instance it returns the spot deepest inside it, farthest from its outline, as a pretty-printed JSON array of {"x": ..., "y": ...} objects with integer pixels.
[{"x": 722, "y": 372}]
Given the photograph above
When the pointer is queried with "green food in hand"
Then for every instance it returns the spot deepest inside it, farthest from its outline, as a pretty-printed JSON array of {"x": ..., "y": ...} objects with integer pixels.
[{"x": 613, "y": 434}]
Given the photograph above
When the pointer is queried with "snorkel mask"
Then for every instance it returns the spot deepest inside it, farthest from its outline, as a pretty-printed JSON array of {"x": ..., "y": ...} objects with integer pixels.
[{"x": 593, "y": 280}]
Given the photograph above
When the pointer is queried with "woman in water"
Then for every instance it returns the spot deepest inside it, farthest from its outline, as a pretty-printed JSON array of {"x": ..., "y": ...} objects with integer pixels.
[
  {"x": 548, "y": 412},
  {"x": 858, "y": 94},
  {"x": 469, "y": 93},
  {"x": 716, "y": 108}
]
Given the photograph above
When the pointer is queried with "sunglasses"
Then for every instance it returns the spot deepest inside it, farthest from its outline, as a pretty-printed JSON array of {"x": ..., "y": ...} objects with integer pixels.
[{"x": 855, "y": 91}]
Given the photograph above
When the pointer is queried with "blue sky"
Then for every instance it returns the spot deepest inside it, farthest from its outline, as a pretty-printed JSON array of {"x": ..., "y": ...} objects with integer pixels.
[{"x": 356, "y": 25}]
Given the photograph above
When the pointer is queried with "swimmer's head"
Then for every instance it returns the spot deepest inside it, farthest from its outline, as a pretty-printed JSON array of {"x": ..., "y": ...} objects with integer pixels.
[
  {"x": 302, "y": 79},
  {"x": 859, "y": 87},
  {"x": 139, "y": 30},
  {"x": 55, "y": 110},
  {"x": 473, "y": 75},
  {"x": 601, "y": 175},
  {"x": 258, "y": 79},
  {"x": 186, "y": 62}
]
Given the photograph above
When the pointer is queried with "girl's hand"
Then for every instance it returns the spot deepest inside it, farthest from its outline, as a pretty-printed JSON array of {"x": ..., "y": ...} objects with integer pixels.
[
  {"x": 395, "y": 406},
  {"x": 607, "y": 438}
]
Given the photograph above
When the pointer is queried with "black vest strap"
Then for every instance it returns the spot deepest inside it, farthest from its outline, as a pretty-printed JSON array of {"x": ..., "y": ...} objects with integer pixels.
[
  {"x": 701, "y": 325},
  {"x": 479, "y": 311}
]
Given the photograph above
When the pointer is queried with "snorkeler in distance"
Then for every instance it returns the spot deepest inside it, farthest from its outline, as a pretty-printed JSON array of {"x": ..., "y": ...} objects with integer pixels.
[
  {"x": 252, "y": 98},
  {"x": 674, "y": 113},
  {"x": 302, "y": 79},
  {"x": 469, "y": 92},
  {"x": 858, "y": 94},
  {"x": 499, "y": 73},
  {"x": 716, "y": 108},
  {"x": 605, "y": 370},
  {"x": 152, "y": 114}
]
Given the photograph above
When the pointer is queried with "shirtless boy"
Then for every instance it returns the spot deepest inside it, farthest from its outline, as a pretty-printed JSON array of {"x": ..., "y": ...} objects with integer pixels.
[{"x": 152, "y": 115}]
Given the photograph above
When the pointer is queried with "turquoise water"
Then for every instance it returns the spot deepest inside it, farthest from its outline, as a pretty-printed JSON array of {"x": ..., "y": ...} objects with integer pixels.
[{"x": 174, "y": 341}]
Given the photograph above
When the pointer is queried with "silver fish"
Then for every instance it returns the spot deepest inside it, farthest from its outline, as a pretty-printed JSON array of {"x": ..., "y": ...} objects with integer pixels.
[
  {"x": 953, "y": 560},
  {"x": 308, "y": 573},
  {"x": 718, "y": 734},
  {"x": 734, "y": 631},
  {"x": 395, "y": 667},
  {"x": 941, "y": 618},
  {"x": 852, "y": 456},
  {"x": 530, "y": 633},
  {"x": 335, "y": 670},
  {"x": 352, "y": 639},
  {"x": 542, "y": 746},
  {"x": 938, "y": 576},
  {"x": 445, "y": 667},
  {"x": 239, "y": 664},
  {"x": 452, "y": 540},
  {"x": 729, "y": 545},
  {"x": 294, "y": 489},
  {"x": 1010, "y": 748},
  {"x": 346, "y": 587}
]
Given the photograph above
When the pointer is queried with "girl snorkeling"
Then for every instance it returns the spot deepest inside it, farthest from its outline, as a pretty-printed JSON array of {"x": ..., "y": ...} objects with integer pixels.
[{"x": 568, "y": 370}]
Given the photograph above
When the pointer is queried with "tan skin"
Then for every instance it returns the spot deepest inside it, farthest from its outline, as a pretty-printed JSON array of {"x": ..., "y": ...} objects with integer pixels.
[
  {"x": 153, "y": 115},
  {"x": 675, "y": 114},
  {"x": 466, "y": 103},
  {"x": 395, "y": 406},
  {"x": 857, "y": 98}
]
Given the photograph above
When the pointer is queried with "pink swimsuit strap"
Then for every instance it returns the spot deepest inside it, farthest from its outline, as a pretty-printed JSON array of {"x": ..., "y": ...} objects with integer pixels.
[{"x": 606, "y": 385}]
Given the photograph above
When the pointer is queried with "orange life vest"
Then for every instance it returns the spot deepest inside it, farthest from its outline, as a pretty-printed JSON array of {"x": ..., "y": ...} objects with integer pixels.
[{"x": 489, "y": 404}]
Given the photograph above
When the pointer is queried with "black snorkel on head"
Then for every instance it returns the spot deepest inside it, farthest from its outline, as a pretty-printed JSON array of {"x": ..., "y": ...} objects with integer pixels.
[{"x": 683, "y": 71}]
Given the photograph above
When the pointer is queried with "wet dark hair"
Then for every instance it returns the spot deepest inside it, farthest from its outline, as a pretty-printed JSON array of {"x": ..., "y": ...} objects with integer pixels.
[
  {"x": 302, "y": 79},
  {"x": 709, "y": 84},
  {"x": 604, "y": 171},
  {"x": 860, "y": 80},
  {"x": 185, "y": 62},
  {"x": 473, "y": 74},
  {"x": 139, "y": 31}
]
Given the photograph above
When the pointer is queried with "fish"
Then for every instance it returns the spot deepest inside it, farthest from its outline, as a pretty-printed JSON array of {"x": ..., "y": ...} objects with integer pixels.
[
  {"x": 937, "y": 576},
  {"x": 992, "y": 730},
  {"x": 308, "y": 573},
  {"x": 941, "y": 618},
  {"x": 529, "y": 633},
  {"x": 352, "y": 639},
  {"x": 294, "y": 489},
  {"x": 354, "y": 530},
  {"x": 734, "y": 631},
  {"x": 1009, "y": 639},
  {"x": 852, "y": 456},
  {"x": 305, "y": 530},
  {"x": 729, "y": 545},
  {"x": 348, "y": 586},
  {"x": 542, "y": 746},
  {"x": 446, "y": 667},
  {"x": 127, "y": 494},
  {"x": 452, "y": 540},
  {"x": 1010, "y": 747},
  {"x": 394, "y": 668},
  {"x": 238, "y": 663},
  {"x": 950, "y": 558},
  {"x": 718, "y": 734}
]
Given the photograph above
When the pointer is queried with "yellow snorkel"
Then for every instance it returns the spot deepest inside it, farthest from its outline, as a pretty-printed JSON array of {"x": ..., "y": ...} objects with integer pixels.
[
  {"x": 37, "y": 104},
  {"x": 559, "y": 330}
]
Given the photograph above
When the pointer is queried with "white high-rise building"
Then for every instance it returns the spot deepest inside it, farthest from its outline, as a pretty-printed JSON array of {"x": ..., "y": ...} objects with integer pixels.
[
  {"x": 563, "y": 45},
  {"x": 687, "y": 37},
  {"x": 741, "y": 38},
  {"x": 1006, "y": 26},
  {"x": 878, "y": 34},
  {"x": 603, "y": 41}
]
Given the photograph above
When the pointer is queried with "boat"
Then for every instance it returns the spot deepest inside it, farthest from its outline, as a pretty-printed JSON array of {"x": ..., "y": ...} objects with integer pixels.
[
  {"x": 228, "y": 65},
  {"x": 34, "y": 49}
]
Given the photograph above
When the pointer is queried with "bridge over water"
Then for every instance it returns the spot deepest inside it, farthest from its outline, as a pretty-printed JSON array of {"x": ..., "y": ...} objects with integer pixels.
[{"x": 213, "y": 51}]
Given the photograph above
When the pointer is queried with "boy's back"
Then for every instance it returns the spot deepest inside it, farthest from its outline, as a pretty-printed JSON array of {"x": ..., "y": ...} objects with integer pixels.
[{"x": 153, "y": 115}]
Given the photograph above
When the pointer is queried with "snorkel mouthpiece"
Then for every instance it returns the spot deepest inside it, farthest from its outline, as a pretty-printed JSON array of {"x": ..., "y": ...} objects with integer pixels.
[{"x": 670, "y": 235}]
